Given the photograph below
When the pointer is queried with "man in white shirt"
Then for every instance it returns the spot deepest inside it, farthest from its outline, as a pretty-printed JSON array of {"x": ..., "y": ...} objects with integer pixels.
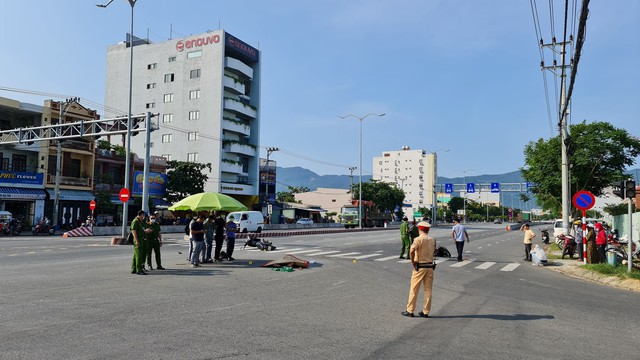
[{"x": 459, "y": 233}]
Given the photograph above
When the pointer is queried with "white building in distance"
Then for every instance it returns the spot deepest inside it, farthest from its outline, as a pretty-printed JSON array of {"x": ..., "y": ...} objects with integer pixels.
[
  {"x": 413, "y": 171},
  {"x": 206, "y": 89}
]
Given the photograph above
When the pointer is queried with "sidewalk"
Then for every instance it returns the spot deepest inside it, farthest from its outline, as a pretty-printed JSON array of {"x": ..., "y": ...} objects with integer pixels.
[{"x": 572, "y": 268}]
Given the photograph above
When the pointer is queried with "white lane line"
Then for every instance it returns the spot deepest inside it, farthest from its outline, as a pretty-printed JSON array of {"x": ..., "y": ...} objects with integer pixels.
[
  {"x": 488, "y": 244},
  {"x": 510, "y": 267},
  {"x": 285, "y": 250},
  {"x": 365, "y": 256},
  {"x": 323, "y": 253},
  {"x": 347, "y": 254},
  {"x": 301, "y": 252},
  {"x": 404, "y": 261},
  {"x": 31, "y": 252},
  {"x": 486, "y": 265},
  {"x": 479, "y": 247},
  {"x": 441, "y": 260},
  {"x": 461, "y": 263},
  {"x": 48, "y": 250},
  {"x": 386, "y": 258},
  {"x": 497, "y": 242},
  {"x": 13, "y": 254}
]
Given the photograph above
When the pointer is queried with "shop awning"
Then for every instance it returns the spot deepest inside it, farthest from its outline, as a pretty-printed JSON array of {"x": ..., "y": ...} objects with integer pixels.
[
  {"x": 72, "y": 195},
  {"x": 22, "y": 193}
]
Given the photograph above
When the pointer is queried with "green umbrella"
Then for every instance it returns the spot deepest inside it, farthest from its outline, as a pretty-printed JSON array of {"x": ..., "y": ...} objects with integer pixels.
[{"x": 208, "y": 201}]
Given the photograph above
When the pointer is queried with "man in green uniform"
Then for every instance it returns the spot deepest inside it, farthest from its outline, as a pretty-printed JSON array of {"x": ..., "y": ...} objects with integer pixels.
[
  {"x": 413, "y": 232},
  {"x": 405, "y": 237},
  {"x": 153, "y": 239},
  {"x": 138, "y": 228}
]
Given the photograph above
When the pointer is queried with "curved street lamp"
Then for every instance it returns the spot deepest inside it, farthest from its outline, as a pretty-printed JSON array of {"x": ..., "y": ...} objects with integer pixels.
[{"x": 360, "y": 166}]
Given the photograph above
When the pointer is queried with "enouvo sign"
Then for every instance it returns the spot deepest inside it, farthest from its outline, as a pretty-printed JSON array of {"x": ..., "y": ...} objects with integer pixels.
[{"x": 201, "y": 41}]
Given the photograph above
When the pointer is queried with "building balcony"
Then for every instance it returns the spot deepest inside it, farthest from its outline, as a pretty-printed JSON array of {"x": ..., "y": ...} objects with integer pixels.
[
  {"x": 229, "y": 167},
  {"x": 238, "y": 67},
  {"x": 238, "y": 148},
  {"x": 236, "y": 126},
  {"x": 70, "y": 180},
  {"x": 81, "y": 146},
  {"x": 233, "y": 85},
  {"x": 239, "y": 108}
]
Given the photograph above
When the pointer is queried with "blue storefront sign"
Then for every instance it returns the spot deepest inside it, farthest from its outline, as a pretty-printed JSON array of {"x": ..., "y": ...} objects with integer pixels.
[
  {"x": 21, "y": 178},
  {"x": 157, "y": 183}
]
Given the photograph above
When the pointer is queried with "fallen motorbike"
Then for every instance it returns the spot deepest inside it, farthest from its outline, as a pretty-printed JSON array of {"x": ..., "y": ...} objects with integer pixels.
[
  {"x": 544, "y": 234},
  {"x": 442, "y": 251},
  {"x": 254, "y": 241},
  {"x": 567, "y": 243},
  {"x": 44, "y": 227}
]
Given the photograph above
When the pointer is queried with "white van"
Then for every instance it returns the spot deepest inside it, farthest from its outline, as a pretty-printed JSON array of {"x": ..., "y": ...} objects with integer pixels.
[
  {"x": 557, "y": 225},
  {"x": 248, "y": 221}
]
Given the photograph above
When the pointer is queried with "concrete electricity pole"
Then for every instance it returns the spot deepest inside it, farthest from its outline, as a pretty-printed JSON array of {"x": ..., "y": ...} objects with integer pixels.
[{"x": 351, "y": 170}]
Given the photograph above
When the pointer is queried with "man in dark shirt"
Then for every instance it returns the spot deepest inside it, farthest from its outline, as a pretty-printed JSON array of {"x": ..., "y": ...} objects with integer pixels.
[
  {"x": 197, "y": 236},
  {"x": 218, "y": 236}
]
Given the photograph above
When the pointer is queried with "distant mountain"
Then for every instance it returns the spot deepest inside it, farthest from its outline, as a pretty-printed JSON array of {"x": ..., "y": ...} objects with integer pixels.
[{"x": 297, "y": 176}]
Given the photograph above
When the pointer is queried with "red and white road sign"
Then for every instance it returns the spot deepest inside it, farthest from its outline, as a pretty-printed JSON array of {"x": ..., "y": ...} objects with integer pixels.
[
  {"x": 92, "y": 205},
  {"x": 124, "y": 195}
]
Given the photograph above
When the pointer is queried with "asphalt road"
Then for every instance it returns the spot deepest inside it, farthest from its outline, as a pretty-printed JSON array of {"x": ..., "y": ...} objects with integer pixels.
[{"x": 70, "y": 298}]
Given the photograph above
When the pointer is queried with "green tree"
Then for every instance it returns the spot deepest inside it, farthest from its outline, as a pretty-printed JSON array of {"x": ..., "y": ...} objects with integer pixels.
[
  {"x": 456, "y": 203},
  {"x": 619, "y": 209},
  {"x": 289, "y": 196},
  {"x": 103, "y": 202},
  {"x": 185, "y": 178},
  {"x": 598, "y": 155},
  {"x": 386, "y": 196}
]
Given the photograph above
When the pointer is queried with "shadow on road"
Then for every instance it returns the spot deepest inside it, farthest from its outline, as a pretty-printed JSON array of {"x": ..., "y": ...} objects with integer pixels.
[{"x": 495, "y": 317}]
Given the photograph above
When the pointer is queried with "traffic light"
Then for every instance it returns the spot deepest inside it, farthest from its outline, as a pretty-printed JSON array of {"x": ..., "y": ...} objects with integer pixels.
[
  {"x": 136, "y": 125},
  {"x": 630, "y": 189},
  {"x": 618, "y": 189}
]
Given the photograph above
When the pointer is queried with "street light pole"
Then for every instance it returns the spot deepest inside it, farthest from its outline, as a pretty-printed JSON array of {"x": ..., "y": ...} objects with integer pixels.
[
  {"x": 434, "y": 206},
  {"x": 464, "y": 174},
  {"x": 360, "y": 166},
  {"x": 125, "y": 207}
]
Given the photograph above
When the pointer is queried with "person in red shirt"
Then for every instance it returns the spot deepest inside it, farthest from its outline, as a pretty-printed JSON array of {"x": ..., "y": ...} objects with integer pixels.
[{"x": 601, "y": 242}]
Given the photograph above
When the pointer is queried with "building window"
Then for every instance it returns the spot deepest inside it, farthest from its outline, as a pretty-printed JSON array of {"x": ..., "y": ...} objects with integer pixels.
[
  {"x": 150, "y": 105},
  {"x": 194, "y": 115},
  {"x": 19, "y": 163},
  {"x": 194, "y": 54},
  {"x": 167, "y": 118},
  {"x": 151, "y": 86},
  {"x": 168, "y": 98},
  {"x": 152, "y": 66},
  {"x": 192, "y": 157},
  {"x": 172, "y": 58},
  {"x": 166, "y": 157},
  {"x": 168, "y": 77},
  {"x": 193, "y": 136},
  {"x": 194, "y": 94},
  {"x": 166, "y": 138},
  {"x": 194, "y": 74}
]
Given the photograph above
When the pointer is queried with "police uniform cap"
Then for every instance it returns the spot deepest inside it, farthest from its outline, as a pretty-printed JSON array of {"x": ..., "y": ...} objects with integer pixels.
[{"x": 424, "y": 224}]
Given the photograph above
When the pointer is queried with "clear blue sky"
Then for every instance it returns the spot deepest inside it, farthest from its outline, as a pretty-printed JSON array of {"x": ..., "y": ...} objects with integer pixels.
[{"x": 458, "y": 75}]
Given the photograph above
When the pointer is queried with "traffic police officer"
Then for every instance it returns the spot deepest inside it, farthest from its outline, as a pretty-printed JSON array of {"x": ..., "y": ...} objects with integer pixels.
[
  {"x": 154, "y": 242},
  {"x": 421, "y": 255},
  {"x": 405, "y": 237},
  {"x": 138, "y": 229}
]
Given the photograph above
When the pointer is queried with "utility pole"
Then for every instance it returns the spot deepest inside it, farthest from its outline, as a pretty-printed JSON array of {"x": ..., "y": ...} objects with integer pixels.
[
  {"x": 56, "y": 200},
  {"x": 351, "y": 170},
  {"x": 269, "y": 151},
  {"x": 562, "y": 125}
]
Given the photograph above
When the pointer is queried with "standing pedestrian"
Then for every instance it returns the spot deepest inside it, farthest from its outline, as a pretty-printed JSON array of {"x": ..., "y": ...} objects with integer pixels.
[
  {"x": 197, "y": 235},
  {"x": 231, "y": 228},
  {"x": 592, "y": 254},
  {"x": 413, "y": 231},
  {"x": 579, "y": 239},
  {"x": 528, "y": 237},
  {"x": 601, "y": 242},
  {"x": 154, "y": 241},
  {"x": 209, "y": 229},
  {"x": 459, "y": 233},
  {"x": 421, "y": 255},
  {"x": 404, "y": 237},
  {"x": 187, "y": 229},
  {"x": 218, "y": 236},
  {"x": 139, "y": 254}
]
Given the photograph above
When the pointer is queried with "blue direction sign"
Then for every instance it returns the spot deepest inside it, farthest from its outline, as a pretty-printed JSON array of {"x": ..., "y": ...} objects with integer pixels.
[
  {"x": 448, "y": 188},
  {"x": 471, "y": 188},
  {"x": 495, "y": 187}
]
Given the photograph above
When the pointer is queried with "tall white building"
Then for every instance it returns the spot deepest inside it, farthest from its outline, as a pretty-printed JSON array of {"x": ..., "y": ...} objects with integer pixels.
[
  {"x": 206, "y": 89},
  {"x": 413, "y": 171}
]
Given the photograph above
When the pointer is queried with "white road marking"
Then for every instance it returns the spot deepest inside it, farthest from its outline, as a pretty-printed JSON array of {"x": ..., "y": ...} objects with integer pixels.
[
  {"x": 404, "y": 261},
  {"x": 386, "y": 258},
  {"x": 510, "y": 267},
  {"x": 486, "y": 265},
  {"x": 441, "y": 260},
  {"x": 301, "y": 252},
  {"x": 479, "y": 247},
  {"x": 462, "y": 263},
  {"x": 365, "y": 256},
  {"x": 285, "y": 250},
  {"x": 323, "y": 253},
  {"x": 347, "y": 254}
]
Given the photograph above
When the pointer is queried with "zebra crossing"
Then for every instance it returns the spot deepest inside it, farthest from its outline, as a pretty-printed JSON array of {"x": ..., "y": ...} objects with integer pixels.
[{"x": 379, "y": 256}]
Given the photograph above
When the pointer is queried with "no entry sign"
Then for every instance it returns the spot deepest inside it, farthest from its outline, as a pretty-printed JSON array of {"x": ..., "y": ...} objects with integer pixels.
[
  {"x": 92, "y": 205},
  {"x": 124, "y": 195},
  {"x": 584, "y": 200}
]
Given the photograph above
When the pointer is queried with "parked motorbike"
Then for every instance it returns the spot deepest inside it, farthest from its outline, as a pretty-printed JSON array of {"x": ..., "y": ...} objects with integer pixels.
[
  {"x": 620, "y": 247},
  {"x": 12, "y": 227},
  {"x": 545, "y": 236},
  {"x": 44, "y": 227},
  {"x": 567, "y": 243}
]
